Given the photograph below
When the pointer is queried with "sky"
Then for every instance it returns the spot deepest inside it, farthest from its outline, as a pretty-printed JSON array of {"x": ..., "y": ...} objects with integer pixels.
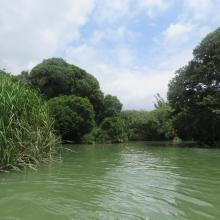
[{"x": 133, "y": 47}]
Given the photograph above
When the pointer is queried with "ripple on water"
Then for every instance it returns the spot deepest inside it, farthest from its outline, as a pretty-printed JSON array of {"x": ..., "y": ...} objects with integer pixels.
[{"x": 117, "y": 182}]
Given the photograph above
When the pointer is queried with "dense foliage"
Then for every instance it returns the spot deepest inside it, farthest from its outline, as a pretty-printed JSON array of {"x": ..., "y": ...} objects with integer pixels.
[
  {"x": 55, "y": 77},
  {"x": 194, "y": 94},
  {"x": 26, "y": 130},
  {"x": 75, "y": 99},
  {"x": 83, "y": 114},
  {"x": 74, "y": 116},
  {"x": 112, "y": 130},
  {"x": 191, "y": 113},
  {"x": 112, "y": 106},
  {"x": 150, "y": 126}
]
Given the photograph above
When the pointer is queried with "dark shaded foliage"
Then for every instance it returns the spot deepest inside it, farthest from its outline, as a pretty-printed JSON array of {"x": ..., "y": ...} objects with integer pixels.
[
  {"x": 112, "y": 106},
  {"x": 74, "y": 116},
  {"x": 55, "y": 77},
  {"x": 112, "y": 130},
  {"x": 194, "y": 94},
  {"x": 150, "y": 126}
]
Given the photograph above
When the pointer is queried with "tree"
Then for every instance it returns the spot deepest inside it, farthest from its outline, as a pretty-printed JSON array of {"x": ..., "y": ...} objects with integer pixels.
[
  {"x": 150, "y": 126},
  {"x": 162, "y": 117},
  {"x": 194, "y": 93},
  {"x": 55, "y": 77},
  {"x": 112, "y": 106},
  {"x": 23, "y": 76},
  {"x": 137, "y": 123},
  {"x": 113, "y": 130},
  {"x": 74, "y": 116}
]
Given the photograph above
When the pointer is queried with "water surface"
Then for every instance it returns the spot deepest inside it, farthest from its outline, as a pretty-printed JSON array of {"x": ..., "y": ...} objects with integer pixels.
[{"x": 126, "y": 181}]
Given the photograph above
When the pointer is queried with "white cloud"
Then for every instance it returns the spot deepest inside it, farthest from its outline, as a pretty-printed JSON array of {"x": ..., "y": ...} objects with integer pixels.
[
  {"x": 178, "y": 32},
  {"x": 125, "y": 56},
  {"x": 109, "y": 46},
  {"x": 117, "y": 35},
  {"x": 34, "y": 29},
  {"x": 87, "y": 56},
  {"x": 135, "y": 86},
  {"x": 199, "y": 10},
  {"x": 111, "y": 11},
  {"x": 196, "y": 20},
  {"x": 115, "y": 10},
  {"x": 155, "y": 7},
  {"x": 138, "y": 87}
]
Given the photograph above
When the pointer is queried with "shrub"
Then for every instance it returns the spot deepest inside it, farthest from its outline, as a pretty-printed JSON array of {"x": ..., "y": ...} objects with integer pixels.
[
  {"x": 88, "y": 138},
  {"x": 112, "y": 106},
  {"x": 74, "y": 116},
  {"x": 55, "y": 77},
  {"x": 112, "y": 130}
]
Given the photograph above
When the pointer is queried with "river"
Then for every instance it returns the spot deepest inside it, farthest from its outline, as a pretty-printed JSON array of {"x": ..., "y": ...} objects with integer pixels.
[{"x": 149, "y": 181}]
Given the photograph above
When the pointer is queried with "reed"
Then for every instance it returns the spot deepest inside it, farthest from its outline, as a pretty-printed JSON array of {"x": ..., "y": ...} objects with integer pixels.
[{"x": 26, "y": 129}]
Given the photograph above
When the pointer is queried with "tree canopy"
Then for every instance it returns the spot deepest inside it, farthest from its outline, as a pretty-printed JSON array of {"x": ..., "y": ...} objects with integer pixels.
[
  {"x": 150, "y": 125},
  {"x": 113, "y": 130},
  {"x": 64, "y": 86},
  {"x": 194, "y": 93},
  {"x": 55, "y": 77},
  {"x": 191, "y": 113},
  {"x": 74, "y": 116},
  {"x": 112, "y": 106}
]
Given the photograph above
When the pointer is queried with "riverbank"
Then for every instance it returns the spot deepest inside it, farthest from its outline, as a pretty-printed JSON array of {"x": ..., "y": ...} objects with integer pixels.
[{"x": 26, "y": 129}]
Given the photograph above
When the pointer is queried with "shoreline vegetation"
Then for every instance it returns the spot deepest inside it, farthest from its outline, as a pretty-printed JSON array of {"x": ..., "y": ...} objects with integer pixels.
[
  {"x": 58, "y": 99},
  {"x": 26, "y": 130}
]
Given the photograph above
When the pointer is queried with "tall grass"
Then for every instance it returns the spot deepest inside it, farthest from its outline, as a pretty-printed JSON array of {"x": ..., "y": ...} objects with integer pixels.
[{"x": 26, "y": 130}]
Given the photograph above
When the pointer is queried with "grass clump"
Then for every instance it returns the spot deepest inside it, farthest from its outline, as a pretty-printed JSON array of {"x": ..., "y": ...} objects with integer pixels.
[{"x": 26, "y": 130}]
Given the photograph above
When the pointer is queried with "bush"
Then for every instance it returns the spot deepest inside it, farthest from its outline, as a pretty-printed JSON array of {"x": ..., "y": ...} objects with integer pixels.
[
  {"x": 74, "y": 117},
  {"x": 112, "y": 130},
  {"x": 55, "y": 77},
  {"x": 88, "y": 138},
  {"x": 155, "y": 125},
  {"x": 112, "y": 106},
  {"x": 26, "y": 130}
]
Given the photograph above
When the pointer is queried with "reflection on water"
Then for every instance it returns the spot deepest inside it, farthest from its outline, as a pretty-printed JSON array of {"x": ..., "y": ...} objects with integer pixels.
[{"x": 130, "y": 181}]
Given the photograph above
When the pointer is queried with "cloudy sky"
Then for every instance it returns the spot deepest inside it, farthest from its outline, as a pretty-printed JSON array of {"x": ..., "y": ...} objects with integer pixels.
[{"x": 133, "y": 47}]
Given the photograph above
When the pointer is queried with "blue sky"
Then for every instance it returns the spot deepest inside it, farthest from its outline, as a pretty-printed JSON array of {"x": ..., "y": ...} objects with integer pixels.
[{"x": 133, "y": 47}]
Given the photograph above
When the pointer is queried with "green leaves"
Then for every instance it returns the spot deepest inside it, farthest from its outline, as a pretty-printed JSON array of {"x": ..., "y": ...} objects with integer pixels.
[
  {"x": 112, "y": 106},
  {"x": 194, "y": 93},
  {"x": 26, "y": 130},
  {"x": 54, "y": 77},
  {"x": 113, "y": 130},
  {"x": 74, "y": 116},
  {"x": 150, "y": 126},
  {"x": 75, "y": 98}
]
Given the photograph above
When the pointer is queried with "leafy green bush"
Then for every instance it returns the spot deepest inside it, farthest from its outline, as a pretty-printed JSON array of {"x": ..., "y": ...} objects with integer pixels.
[
  {"x": 88, "y": 138},
  {"x": 150, "y": 126},
  {"x": 55, "y": 77},
  {"x": 26, "y": 130},
  {"x": 74, "y": 116},
  {"x": 112, "y": 130},
  {"x": 112, "y": 106}
]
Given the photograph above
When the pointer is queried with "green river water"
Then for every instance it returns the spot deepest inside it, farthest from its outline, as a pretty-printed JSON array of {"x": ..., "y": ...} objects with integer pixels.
[{"x": 126, "y": 181}]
